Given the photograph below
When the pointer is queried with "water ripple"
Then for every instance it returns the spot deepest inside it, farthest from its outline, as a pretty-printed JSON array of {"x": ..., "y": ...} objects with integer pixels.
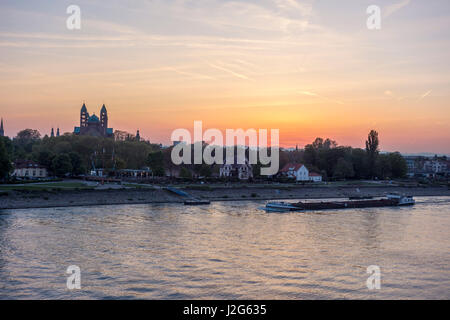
[{"x": 228, "y": 250}]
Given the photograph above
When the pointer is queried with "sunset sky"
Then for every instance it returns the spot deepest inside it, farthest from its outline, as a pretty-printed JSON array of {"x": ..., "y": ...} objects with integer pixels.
[{"x": 309, "y": 68}]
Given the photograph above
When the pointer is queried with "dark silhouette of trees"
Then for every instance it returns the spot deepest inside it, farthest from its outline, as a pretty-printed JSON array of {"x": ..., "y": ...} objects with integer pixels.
[
  {"x": 398, "y": 165},
  {"x": 343, "y": 169},
  {"x": 155, "y": 161},
  {"x": 372, "y": 145},
  {"x": 5, "y": 160},
  {"x": 75, "y": 155},
  {"x": 338, "y": 162},
  {"x": 61, "y": 165}
]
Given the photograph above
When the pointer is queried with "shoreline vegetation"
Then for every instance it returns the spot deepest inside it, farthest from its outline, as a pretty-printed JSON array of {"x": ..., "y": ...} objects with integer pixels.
[
  {"x": 68, "y": 194},
  {"x": 67, "y": 160}
]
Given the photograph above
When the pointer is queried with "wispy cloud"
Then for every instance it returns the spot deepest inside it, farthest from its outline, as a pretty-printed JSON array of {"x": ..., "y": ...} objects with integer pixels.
[
  {"x": 308, "y": 93},
  {"x": 426, "y": 94},
  {"x": 391, "y": 9},
  {"x": 313, "y": 94},
  {"x": 233, "y": 73},
  {"x": 191, "y": 74}
]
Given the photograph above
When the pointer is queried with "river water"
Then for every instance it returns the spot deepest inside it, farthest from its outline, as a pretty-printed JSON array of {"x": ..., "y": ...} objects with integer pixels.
[{"x": 227, "y": 250}]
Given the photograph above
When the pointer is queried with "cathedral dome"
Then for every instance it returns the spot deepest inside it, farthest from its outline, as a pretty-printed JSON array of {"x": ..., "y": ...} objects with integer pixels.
[{"x": 93, "y": 118}]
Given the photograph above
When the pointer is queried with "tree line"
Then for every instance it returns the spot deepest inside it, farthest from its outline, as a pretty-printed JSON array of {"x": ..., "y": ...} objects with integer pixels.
[
  {"x": 75, "y": 155},
  {"x": 323, "y": 156},
  {"x": 336, "y": 162}
]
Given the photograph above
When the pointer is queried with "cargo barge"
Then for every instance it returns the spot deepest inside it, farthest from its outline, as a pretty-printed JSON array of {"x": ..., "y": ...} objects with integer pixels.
[{"x": 391, "y": 200}]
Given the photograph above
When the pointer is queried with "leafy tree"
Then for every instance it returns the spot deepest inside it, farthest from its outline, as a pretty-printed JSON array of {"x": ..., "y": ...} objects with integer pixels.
[
  {"x": 185, "y": 173},
  {"x": 256, "y": 169},
  {"x": 23, "y": 142},
  {"x": 205, "y": 170},
  {"x": 359, "y": 160},
  {"x": 123, "y": 136},
  {"x": 77, "y": 164},
  {"x": 343, "y": 169},
  {"x": 28, "y": 134},
  {"x": 45, "y": 158},
  {"x": 398, "y": 165},
  {"x": 372, "y": 144},
  {"x": 383, "y": 168},
  {"x": 155, "y": 161},
  {"x": 5, "y": 160},
  {"x": 311, "y": 155},
  {"x": 62, "y": 165},
  {"x": 120, "y": 164}
]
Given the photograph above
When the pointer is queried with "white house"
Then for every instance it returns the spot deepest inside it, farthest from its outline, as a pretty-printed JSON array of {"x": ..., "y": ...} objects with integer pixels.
[
  {"x": 29, "y": 169},
  {"x": 315, "y": 177},
  {"x": 297, "y": 171},
  {"x": 435, "y": 166}
]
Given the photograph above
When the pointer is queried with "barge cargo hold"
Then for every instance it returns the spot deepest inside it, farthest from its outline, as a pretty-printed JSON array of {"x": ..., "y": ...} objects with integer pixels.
[{"x": 391, "y": 200}]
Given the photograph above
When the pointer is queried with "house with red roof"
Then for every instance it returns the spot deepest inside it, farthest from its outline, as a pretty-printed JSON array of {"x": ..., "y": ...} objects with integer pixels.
[
  {"x": 299, "y": 172},
  {"x": 315, "y": 177}
]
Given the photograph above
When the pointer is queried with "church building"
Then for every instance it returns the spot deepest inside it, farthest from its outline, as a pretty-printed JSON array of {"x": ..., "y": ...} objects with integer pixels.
[
  {"x": 92, "y": 125},
  {"x": 2, "y": 132}
]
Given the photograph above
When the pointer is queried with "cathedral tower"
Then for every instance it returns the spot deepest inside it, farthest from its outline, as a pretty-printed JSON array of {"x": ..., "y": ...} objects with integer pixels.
[
  {"x": 84, "y": 116},
  {"x": 104, "y": 119},
  {"x": 93, "y": 125},
  {"x": 2, "y": 132}
]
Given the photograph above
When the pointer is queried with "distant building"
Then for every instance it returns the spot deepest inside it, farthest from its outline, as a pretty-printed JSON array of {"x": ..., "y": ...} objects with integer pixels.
[
  {"x": 315, "y": 177},
  {"x": 2, "y": 132},
  {"x": 143, "y": 173},
  {"x": 92, "y": 125},
  {"x": 419, "y": 166},
  {"x": 435, "y": 166},
  {"x": 29, "y": 169},
  {"x": 97, "y": 172},
  {"x": 299, "y": 172},
  {"x": 240, "y": 171},
  {"x": 296, "y": 171}
]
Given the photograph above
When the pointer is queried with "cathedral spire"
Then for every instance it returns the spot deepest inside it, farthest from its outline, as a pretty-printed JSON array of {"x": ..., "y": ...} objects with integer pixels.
[
  {"x": 2, "y": 132},
  {"x": 104, "y": 119},
  {"x": 84, "y": 115},
  {"x": 53, "y": 133},
  {"x": 138, "y": 136},
  {"x": 57, "y": 132}
]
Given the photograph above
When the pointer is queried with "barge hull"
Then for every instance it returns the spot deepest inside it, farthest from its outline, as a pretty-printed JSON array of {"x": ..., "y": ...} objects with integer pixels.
[{"x": 347, "y": 204}]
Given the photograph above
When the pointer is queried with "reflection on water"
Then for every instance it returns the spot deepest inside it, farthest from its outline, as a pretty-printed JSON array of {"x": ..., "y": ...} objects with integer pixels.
[{"x": 227, "y": 250}]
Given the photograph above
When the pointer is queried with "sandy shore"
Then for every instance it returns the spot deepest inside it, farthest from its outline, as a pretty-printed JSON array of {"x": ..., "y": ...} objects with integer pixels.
[{"x": 46, "y": 199}]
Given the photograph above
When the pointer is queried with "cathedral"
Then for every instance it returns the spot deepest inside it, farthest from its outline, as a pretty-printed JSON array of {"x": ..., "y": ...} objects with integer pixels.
[
  {"x": 2, "y": 132},
  {"x": 92, "y": 125}
]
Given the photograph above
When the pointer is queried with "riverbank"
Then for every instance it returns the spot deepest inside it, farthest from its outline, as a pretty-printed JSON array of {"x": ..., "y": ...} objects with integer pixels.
[{"x": 22, "y": 199}]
